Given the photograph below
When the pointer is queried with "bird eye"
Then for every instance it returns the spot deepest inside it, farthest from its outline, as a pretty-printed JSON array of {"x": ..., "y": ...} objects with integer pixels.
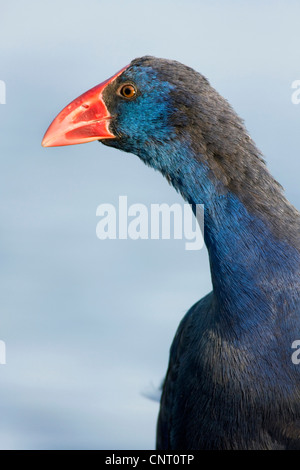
[{"x": 127, "y": 91}]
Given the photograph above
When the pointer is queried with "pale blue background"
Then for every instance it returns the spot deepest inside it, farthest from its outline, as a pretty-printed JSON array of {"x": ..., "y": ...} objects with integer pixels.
[{"x": 88, "y": 323}]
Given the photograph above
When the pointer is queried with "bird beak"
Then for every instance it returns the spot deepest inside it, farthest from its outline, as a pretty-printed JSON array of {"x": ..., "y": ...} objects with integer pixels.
[{"x": 85, "y": 119}]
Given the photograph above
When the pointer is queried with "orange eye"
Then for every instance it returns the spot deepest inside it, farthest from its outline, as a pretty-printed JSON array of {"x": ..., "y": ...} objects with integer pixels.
[{"x": 127, "y": 91}]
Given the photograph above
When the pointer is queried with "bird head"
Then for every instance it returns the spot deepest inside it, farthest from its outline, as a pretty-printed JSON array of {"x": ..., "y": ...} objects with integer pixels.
[
  {"x": 148, "y": 108},
  {"x": 169, "y": 115}
]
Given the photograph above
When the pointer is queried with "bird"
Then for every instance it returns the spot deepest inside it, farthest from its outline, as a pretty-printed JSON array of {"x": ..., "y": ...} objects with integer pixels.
[{"x": 231, "y": 383}]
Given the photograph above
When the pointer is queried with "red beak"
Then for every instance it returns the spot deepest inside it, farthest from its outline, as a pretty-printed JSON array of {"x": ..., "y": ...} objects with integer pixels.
[{"x": 83, "y": 120}]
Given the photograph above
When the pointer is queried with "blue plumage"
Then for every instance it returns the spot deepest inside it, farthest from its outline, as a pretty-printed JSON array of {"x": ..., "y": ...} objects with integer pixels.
[{"x": 231, "y": 382}]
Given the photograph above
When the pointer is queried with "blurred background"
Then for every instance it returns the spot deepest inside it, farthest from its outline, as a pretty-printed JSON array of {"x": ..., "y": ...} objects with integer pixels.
[{"x": 88, "y": 323}]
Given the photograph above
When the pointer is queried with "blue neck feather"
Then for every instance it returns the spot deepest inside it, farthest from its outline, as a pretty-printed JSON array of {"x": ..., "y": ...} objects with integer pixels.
[
  {"x": 199, "y": 144},
  {"x": 245, "y": 257}
]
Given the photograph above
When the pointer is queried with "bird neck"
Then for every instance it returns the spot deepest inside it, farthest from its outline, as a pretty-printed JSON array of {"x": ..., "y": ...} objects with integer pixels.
[{"x": 252, "y": 236}]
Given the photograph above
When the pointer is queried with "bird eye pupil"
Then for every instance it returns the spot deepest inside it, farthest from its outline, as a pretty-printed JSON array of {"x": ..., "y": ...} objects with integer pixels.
[{"x": 127, "y": 91}]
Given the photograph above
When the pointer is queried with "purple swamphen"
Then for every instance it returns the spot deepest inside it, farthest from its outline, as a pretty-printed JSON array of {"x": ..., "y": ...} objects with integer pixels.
[{"x": 231, "y": 381}]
